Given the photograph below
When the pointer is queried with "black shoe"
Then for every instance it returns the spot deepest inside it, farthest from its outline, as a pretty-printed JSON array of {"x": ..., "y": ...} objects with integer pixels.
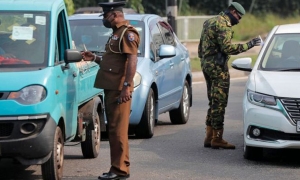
[{"x": 113, "y": 176}]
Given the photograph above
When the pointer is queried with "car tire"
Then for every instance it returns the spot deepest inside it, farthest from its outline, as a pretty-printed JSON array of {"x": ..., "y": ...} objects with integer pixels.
[
  {"x": 145, "y": 129},
  {"x": 91, "y": 146},
  {"x": 53, "y": 168},
  {"x": 182, "y": 113},
  {"x": 253, "y": 153}
]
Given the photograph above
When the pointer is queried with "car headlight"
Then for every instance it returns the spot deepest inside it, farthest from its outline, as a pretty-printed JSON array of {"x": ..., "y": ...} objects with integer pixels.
[
  {"x": 137, "y": 79},
  {"x": 29, "y": 95},
  {"x": 261, "y": 99}
]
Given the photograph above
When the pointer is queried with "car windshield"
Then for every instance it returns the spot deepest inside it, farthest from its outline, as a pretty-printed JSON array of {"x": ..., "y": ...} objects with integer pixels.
[
  {"x": 23, "y": 41},
  {"x": 92, "y": 35},
  {"x": 282, "y": 53}
]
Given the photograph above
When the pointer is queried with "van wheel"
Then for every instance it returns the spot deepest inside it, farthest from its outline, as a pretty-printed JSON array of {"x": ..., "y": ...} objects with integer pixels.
[
  {"x": 91, "y": 146},
  {"x": 253, "y": 153},
  {"x": 145, "y": 129},
  {"x": 53, "y": 168},
  {"x": 182, "y": 113}
]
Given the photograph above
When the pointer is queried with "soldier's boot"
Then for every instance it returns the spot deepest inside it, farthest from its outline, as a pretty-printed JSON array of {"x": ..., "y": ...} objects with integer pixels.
[
  {"x": 218, "y": 141},
  {"x": 208, "y": 137}
]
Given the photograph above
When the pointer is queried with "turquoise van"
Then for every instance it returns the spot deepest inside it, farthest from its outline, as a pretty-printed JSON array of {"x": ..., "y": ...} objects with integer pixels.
[{"x": 46, "y": 91}]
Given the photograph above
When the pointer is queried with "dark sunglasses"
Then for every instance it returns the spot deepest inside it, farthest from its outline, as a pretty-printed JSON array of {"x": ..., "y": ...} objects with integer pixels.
[{"x": 238, "y": 14}]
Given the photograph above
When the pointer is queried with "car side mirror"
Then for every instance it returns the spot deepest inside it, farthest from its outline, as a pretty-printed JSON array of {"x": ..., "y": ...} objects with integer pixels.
[
  {"x": 166, "y": 51},
  {"x": 243, "y": 64},
  {"x": 72, "y": 56}
]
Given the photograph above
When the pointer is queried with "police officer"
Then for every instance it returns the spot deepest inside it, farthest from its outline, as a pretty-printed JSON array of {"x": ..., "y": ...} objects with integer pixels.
[
  {"x": 115, "y": 76},
  {"x": 214, "y": 51}
]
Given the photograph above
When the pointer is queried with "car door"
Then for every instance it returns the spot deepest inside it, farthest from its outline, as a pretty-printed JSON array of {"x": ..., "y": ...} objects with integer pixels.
[
  {"x": 175, "y": 70},
  {"x": 162, "y": 68}
]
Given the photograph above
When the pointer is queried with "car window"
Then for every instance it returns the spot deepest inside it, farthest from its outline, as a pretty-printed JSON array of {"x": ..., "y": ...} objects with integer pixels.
[
  {"x": 157, "y": 40},
  {"x": 282, "y": 52},
  {"x": 167, "y": 33},
  {"x": 90, "y": 34}
]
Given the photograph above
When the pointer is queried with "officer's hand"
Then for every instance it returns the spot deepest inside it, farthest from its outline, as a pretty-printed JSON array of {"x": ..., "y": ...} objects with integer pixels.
[
  {"x": 254, "y": 42},
  {"x": 125, "y": 95},
  {"x": 87, "y": 55}
]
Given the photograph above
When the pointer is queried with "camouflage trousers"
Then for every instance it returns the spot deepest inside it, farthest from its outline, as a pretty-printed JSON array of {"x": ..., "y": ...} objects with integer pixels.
[{"x": 217, "y": 82}]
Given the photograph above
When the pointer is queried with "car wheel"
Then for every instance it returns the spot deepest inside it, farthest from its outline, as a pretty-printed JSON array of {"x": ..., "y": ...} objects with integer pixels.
[
  {"x": 91, "y": 146},
  {"x": 182, "y": 113},
  {"x": 53, "y": 168},
  {"x": 253, "y": 153},
  {"x": 145, "y": 129}
]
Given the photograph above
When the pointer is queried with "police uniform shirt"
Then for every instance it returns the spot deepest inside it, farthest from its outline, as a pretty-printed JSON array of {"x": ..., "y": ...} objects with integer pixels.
[{"x": 124, "y": 40}]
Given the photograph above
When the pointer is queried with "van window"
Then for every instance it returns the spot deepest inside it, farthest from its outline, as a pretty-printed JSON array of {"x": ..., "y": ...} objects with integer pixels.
[
  {"x": 23, "y": 38},
  {"x": 62, "y": 35}
]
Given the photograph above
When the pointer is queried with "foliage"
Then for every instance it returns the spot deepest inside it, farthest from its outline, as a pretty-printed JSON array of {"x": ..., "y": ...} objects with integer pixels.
[
  {"x": 283, "y": 8},
  {"x": 69, "y": 6},
  {"x": 252, "y": 26},
  {"x": 136, "y": 5}
]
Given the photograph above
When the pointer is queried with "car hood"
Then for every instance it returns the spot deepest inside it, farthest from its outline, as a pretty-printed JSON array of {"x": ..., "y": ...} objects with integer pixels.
[{"x": 280, "y": 84}]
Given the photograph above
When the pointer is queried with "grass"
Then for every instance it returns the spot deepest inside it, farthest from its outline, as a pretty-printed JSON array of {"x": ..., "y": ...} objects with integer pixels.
[
  {"x": 251, "y": 26},
  {"x": 195, "y": 62}
]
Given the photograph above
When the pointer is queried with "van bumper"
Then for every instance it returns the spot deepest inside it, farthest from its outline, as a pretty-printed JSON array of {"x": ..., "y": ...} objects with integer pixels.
[{"x": 28, "y": 139}]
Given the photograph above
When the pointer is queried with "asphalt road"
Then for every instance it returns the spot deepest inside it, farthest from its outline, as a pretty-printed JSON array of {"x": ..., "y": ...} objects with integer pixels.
[{"x": 177, "y": 152}]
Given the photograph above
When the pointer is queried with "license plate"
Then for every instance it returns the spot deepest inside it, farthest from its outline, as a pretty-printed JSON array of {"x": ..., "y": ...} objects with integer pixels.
[{"x": 298, "y": 126}]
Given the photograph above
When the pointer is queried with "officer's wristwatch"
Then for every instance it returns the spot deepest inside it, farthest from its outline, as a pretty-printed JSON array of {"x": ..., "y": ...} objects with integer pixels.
[{"x": 127, "y": 84}]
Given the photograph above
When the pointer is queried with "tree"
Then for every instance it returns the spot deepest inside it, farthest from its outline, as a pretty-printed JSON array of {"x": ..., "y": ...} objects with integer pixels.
[
  {"x": 69, "y": 6},
  {"x": 136, "y": 5}
]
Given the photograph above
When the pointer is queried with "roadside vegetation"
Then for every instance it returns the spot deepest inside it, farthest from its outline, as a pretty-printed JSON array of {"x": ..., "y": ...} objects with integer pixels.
[{"x": 250, "y": 27}]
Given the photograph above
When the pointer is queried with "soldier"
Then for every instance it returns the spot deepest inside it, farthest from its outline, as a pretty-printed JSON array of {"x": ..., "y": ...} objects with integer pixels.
[
  {"x": 214, "y": 51},
  {"x": 118, "y": 66}
]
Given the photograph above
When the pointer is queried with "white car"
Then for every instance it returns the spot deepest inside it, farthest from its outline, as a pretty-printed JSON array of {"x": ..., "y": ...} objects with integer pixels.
[{"x": 271, "y": 102}]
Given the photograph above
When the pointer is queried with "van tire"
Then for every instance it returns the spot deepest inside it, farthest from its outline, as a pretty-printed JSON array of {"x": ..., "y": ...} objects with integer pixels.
[
  {"x": 91, "y": 146},
  {"x": 53, "y": 168}
]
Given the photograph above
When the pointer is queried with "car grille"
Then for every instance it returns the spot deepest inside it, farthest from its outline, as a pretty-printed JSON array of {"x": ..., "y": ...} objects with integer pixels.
[
  {"x": 272, "y": 135},
  {"x": 6, "y": 129},
  {"x": 292, "y": 106}
]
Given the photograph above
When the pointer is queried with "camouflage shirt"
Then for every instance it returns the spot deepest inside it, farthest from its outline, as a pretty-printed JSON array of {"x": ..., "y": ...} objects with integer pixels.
[{"x": 216, "y": 37}]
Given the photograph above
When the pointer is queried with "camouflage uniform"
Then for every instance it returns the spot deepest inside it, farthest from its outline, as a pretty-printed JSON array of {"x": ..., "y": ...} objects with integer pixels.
[{"x": 216, "y": 37}]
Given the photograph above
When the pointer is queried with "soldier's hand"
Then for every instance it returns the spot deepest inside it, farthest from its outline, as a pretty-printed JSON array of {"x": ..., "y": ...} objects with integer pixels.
[{"x": 254, "y": 42}]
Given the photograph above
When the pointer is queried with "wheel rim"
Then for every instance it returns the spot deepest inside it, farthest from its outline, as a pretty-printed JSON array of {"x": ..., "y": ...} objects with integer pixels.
[
  {"x": 151, "y": 118},
  {"x": 59, "y": 155},
  {"x": 97, "y": 133},
  {"x": 185, "y": 101}
]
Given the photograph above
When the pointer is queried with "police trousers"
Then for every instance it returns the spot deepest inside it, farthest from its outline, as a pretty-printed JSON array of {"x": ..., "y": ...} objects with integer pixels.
[
  {"x": 118, "y": 122},
  {"x": 217, "y": 82}
]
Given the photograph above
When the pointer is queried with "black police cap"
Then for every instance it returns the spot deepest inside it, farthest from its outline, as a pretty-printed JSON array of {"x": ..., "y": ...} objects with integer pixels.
[{"x": 112, "y": 6}]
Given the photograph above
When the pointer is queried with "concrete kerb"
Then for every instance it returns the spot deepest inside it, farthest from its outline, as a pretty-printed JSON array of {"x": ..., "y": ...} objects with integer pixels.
[{"x": 198, "y": 76}]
